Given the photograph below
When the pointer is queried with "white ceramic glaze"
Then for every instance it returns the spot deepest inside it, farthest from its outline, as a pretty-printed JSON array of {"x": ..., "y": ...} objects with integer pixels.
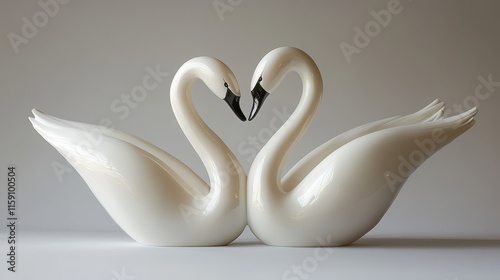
[
  {"x": 150, "y": 194},
  {"x": 340, "y": 190}
]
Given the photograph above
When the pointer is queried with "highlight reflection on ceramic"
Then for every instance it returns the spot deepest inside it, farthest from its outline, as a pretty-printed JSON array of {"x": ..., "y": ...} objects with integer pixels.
[
  {"x": 150, "y": 194},
  {"x": 340, "y": 190}
]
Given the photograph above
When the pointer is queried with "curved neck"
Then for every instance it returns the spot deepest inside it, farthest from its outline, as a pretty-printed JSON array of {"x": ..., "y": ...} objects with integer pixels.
[
  {"x": 271, "y": 158},
  {"x": 223, "y": 168}
]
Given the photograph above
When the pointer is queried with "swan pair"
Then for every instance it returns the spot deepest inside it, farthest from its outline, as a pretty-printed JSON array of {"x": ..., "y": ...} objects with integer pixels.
[{"x": 335, "y": 194}]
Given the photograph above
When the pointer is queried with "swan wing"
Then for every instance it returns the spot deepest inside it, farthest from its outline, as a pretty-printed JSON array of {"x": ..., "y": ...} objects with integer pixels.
[
  {"x": 137, "y": 183},
  {"x": 432, "y": 112},
  {"x": 360, "y": 179},
  {"x": 88, "y": 134}
]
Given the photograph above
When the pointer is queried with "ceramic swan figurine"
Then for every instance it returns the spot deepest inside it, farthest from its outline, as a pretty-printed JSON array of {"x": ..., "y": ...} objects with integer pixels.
[
  {"x": 341, "y": 190},
  {"x": 151, "y": 195}
]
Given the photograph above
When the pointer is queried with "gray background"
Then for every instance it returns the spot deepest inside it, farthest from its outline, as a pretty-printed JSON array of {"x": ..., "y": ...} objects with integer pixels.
[{"x": 91, "y": 52}]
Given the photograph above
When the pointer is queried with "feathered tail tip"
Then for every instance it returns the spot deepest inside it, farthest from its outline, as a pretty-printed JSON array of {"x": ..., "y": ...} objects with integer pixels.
[
  {"x": 464, "y": 117},
  {"x": 34, "y": 111},
  {"x": 439, "y": 115},
  {"x": 42, "y": 124},
  {"x": 456, "y": 125},
  {"x": 429, "y": 112},
  {"x": 432, "y": 112},
  {"x": 434, "y": 103},
  {"x": 41, "y": 121},
  {"x": 37, "y": 120},
  {"x": 41, "y": 118},
  {"x": 51, "y": 128}
]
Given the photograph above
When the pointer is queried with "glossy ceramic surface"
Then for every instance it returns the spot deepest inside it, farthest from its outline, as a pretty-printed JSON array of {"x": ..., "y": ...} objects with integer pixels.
[
  {"x": 340, "y": 190},
  {"x": 151, "y": 195}
]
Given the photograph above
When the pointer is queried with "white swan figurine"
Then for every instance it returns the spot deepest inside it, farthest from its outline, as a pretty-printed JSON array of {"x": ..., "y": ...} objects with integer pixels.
[
  {"x": 151, "y": 195},
  {"x": 340, "y": 190}
]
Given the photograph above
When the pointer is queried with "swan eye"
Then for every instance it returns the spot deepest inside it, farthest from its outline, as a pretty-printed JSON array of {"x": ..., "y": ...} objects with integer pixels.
[
  {"x": 226, "y": 85},
  {"x": 260, "y": 78}
]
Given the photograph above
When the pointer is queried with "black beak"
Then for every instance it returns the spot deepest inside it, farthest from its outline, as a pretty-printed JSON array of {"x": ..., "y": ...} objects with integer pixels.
[
  {"x": 234, "y": 102},
  {"x": 259, "y": 95}
]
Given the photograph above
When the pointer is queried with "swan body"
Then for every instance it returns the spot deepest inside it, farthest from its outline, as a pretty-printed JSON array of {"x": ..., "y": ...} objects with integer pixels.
[
  {"x": 151, "y": 195},
  {"x": 340, "y": 190}
]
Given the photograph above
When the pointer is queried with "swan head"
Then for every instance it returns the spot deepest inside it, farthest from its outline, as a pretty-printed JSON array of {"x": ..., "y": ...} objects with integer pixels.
[
  {"x": 231, "y": 88},
  {"x": 271, "y": 70},
  {"x": 218, "y": 78}
]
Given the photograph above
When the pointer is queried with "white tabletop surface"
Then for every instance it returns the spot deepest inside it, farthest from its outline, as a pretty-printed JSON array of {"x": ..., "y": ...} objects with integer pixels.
[{"x": 113, "y": 255}]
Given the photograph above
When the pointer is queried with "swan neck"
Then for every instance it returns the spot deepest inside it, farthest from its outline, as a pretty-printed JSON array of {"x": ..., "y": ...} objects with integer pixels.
[
  {"x": 276, "y": 151},
  {"x": 222, "y": 166}
]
